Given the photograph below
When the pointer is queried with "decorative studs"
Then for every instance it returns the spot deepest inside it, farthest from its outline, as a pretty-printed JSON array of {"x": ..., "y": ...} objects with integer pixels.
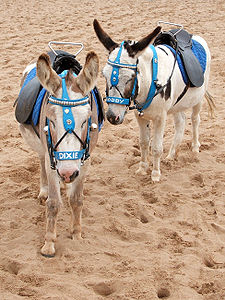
[
  {"x": 141, "y": 114},
  {"x": 156, "y": 60},
  {"x": 66, "y": 110},
  {"x": 114, "y": 78},
  {"x": 69, "y": 122},
  {"x": 114, "y": 72},
  {"x": 45, "y": 129},
  {"x": 94, "y": 126}
]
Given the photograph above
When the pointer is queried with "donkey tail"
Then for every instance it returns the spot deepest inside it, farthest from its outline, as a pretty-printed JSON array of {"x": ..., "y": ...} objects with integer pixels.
[{"x": 211, "y": 104}]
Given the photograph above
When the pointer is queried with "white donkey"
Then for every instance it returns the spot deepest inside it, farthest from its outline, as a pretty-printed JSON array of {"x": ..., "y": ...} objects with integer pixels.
[
  {"x": 150, "y": 76},
  {"x": 65, "y": 142}
]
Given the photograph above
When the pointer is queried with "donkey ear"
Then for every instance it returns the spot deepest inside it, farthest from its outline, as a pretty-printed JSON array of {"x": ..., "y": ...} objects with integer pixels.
[
  {"x": 46, "y": 75},
  {"x": 143, "y": 43},
  {"x": 87, "y": 78},
  {"x": 103, "y": 37}
]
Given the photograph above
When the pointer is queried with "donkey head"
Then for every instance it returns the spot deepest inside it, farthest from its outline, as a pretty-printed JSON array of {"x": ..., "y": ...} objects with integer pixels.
[
  {"x": 68, "y": 112},
  {"x": 120, "y": 71}
]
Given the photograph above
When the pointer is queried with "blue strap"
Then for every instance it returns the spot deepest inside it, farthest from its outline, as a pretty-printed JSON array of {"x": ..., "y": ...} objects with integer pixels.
[
  {"x": 118, "y": 100},
  {"x": 64, "y": 89},
  {"x": 134, "y": 87},
  {"x": 152, "y": 89},
  {"x": 37, "y": 107},
  {"x": 68, "y": 119},
  {"x": 88, "y": 131},
  {"x": 49, "y": 137},
  {"x": 115, "y": 71},
  {"x": 69, "y": 155}
]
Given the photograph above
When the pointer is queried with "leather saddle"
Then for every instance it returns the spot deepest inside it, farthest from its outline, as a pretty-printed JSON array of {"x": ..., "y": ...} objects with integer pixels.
[
  {"x": 181, "y": 41},
  {"x": 29, "y": 93}
]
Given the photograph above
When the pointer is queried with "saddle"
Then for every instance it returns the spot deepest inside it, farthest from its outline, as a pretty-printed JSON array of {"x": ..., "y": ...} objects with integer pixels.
[
  {"x": 29, "y": 101},
  {"x": 182, "y": 43}
]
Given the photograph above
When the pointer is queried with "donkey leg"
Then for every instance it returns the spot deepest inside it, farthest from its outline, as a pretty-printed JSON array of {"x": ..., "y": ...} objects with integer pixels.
[
  {"x": 157, "y": 145},
  {"x": 76, "y": 204},
  {"x": 195, "y": 118},
  {"x": 179, "y": 124},
  {"x": 144, "y": 131},
  {"x": 53, "y": 204},
  {"x": 43, "y": 181}
]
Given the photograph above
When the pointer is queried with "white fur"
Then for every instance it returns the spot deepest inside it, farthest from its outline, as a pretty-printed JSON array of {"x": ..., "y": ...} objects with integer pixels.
[
  {"x": 49, "y": 179},
  {"x": 29, "y": 68},
  {"x": 159, "y": 108}
]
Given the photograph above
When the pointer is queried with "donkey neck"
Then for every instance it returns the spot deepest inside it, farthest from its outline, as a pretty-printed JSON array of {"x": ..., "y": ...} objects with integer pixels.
[{"x": 165, "y": 64}]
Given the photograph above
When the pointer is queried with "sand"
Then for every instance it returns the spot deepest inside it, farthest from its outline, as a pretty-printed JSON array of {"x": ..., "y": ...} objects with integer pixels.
[{"x": 141, "y": 241}]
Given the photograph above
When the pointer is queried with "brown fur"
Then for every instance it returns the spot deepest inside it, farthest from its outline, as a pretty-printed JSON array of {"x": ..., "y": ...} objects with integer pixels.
[
  {"x": 104, "y": 37},
  {"x": 110, "y": 45},
  {"x": 89, "y": 71},
  {"x": 47, "y": 75},
  {"x": 143, "y": 43}
]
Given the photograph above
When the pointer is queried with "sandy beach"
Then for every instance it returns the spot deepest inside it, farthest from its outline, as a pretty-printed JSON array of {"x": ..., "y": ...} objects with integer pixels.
[{"x": 141, "y": 241}]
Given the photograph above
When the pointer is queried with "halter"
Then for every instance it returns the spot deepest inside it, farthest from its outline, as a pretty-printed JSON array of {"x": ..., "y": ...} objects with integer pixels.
[
  {"x": 115, "y": 80},
  {"x": 69, "y": 125}
]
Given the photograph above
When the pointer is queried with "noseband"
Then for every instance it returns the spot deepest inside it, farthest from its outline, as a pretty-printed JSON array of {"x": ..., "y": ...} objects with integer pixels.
[
  {"x": 69, "y": 125},
  {"x": 117, "y": 65}
]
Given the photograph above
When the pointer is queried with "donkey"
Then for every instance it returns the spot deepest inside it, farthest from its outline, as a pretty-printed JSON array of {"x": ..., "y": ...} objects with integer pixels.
[
  {"x": 150, "y": 76},
  {"x": 64, "y": 137}
]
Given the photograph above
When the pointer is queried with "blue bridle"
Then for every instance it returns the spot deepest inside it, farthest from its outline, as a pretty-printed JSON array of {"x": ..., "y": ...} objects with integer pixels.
[
  {"x": 69, "y": 125},
  {"x": 115, "y": 80}
]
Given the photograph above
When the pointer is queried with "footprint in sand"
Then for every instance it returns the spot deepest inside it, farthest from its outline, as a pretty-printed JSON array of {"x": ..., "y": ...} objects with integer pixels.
[
  {"x": 103, "y": 288},
  {"x": 220, "y": 230},
  {"x": 163, "y": 293}
]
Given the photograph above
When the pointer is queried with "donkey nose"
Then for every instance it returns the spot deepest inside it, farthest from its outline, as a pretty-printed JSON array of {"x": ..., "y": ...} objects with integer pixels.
[
  {"x": 112, "y": 118},
  {"x": 68, "y": 175}
]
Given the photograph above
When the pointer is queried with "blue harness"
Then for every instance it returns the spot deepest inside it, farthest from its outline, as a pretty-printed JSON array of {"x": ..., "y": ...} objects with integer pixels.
[
  {"x": 115, "y": 80},
  {"x": 154, "y": 89},
  {"x": 69, "y": 125}
]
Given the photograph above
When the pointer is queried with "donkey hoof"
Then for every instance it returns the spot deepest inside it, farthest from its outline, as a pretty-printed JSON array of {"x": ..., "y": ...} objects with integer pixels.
[
  {"x": 48, "y": 250},
  {"x": 195, "y": 147},
  {"x": 43, "y": 195},
  {"x": 170, "y": 157},
  {"x": 142, "y": 170},
  {"x": 156, "y": 176},
  {"x": 76, "y": 236}
]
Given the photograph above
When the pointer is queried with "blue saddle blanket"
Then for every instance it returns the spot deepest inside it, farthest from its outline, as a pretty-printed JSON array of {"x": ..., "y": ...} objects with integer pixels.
[
  {"x": 38, "y": 103},
  {"x": 198, "y": 51}
]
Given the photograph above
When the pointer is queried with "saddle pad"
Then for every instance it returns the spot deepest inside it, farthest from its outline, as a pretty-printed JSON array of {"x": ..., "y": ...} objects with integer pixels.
[
  {"x": 199, "y": 53},
  {"x": 37, "y": 105}
]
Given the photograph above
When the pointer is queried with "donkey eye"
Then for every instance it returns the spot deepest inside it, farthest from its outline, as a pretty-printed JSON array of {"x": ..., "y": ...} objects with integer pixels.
[
  {"x": 53, "y": 124},
  {"x": 129, "y": 80},
  {"x": 82, "y": 125}
]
